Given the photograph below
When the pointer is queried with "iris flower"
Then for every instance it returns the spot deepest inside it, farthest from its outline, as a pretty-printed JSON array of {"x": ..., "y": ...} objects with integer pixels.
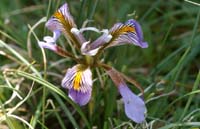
[{"x": 78, "y": 79}]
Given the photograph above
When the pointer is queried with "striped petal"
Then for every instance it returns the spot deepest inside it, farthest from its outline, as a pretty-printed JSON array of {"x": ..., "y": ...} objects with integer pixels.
[
  {"x": 130, "y": 32},
  {"x": 63, "y": 21},
  {"x": 78, "y": 80},
  {"x": 119, "y": 34}
]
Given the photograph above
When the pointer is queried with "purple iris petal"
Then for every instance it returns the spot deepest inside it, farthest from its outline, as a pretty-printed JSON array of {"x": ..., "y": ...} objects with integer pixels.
[
  {"x": 80, "y": 97},
  {"x": 67, "y": 81},
  {"x": 100, "y": 41},
  {"x": 139, "y": 33},
  {"x": 134, "y": 105},
  {"x": 79, "y": 88},
  {"x": 53, "y": 25},
  {"x": 135, "y": 24},
  {"x": 79, "y": 36},
  {"x": 130, "y": 32},
  {"x": 61, "y": 20},
  {"x": 56, "y": 34},
  {"x": 49, "y": 46}
]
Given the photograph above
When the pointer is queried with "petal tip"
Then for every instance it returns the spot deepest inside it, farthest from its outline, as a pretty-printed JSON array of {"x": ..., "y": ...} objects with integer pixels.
[
  {"x": 144, "y": 45},
  {"x": 134, "y": 106},
  {"x": 79, "y": 97}
]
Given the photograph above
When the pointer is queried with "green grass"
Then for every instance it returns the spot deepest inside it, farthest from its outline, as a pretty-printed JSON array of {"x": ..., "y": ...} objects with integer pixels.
[{"x": 168, "y": 70}]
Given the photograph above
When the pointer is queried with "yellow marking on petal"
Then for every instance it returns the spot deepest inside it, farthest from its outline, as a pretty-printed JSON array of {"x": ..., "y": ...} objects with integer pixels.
[
  {"x": 122, "y": 30},
  {"x": 127, "y": 29},
  {"x": 59, "y": 16},
  {"x": 77, "y": 80},
  {"x": 67, "y": 24}
]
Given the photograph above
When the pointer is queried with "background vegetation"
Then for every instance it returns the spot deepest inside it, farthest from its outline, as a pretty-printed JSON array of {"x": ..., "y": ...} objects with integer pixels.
[{"x": 168, "y": 70}]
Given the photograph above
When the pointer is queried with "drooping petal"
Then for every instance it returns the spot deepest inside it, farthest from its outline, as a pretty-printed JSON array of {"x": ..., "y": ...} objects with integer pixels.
[
  {"x": 78, "y": 80},
  {"x": 130, "y": 32},
  {"x": 53, "y": 47},
  {"x": 50, "y": 46},
  {"x": 134, "y": 105},
  {"x": 81, "y": 98},
  {"x": 52, "y": 40},
  {"x": 62, "y": 21}
]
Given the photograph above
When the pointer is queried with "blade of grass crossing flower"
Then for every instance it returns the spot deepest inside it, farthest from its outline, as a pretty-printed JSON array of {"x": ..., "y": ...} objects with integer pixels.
[
  {"x": 54, "y": 89},
  {"x": 44, "y": 61},
  {"x": 43, "y": 82},
  {"x": 20, "y": 57}
]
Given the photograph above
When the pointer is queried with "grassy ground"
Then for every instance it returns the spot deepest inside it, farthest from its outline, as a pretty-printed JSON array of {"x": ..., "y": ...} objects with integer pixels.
[{"x": 168, "y": 70}]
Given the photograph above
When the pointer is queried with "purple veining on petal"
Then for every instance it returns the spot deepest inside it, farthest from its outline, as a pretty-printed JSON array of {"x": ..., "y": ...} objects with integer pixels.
[
  {"x": 80, "y": 97},
  {"x": 130, "y": 32},
  {"x": 139, "y": 32},
  {"x": 82, "y": 94},
  {"x": 85, "y": 80},
  {"x": 137, "y": 26},
  {"x": 54, "y": 25},
  {"x": 134, "y": 105},
  {"x": 62, "y": 21},
  {"x": 67, "y": 81}
]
